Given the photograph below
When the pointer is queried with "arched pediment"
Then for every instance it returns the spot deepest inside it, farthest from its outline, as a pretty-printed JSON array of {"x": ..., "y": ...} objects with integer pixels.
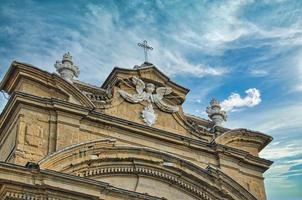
[
  {"x": 146, "y": 168},
  {"x": 250, "y": 141}
]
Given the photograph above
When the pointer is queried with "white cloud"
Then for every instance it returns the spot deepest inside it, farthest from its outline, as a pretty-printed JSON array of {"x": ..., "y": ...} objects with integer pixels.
[
  {"x": 274, "y": 120},
  {"x": 174, "y": 63},
  {"x": 103, "y": 43},
  {"x": 298, "y": 71},
  {"x": 251, "y": 99},
  {"x": 220, "y": 24},
  {"x": 283, "y": 151},
  {"x": 297, "y": 88},
  {"x": 223, "y": 24},
  {"x": 258, "y": 72},
  {"x": 100, "y": 42},
  {"x": 123, "y": 51}
]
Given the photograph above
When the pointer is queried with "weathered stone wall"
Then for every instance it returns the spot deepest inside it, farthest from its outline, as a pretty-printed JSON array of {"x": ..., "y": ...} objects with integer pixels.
[
  {"x": 37, "y": 126},
  {"x": 42, "y": 89},
  {"x": 147, "y": 185},
  {"x": 252, "y": 149},
  {"x": 247, "y": 176},
  {"x": 8, "y": 143},
  {"x": 41, "y": 132},
  {"x": 16, "y": 182},
  {"x": 132, "y": 112},
  {"x": 33, "y": 135}
]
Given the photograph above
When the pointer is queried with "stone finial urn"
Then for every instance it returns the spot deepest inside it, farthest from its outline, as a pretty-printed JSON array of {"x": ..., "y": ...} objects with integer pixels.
[
  {"x": 215, "y": 113},
  {"x": 66, "y": 68}
]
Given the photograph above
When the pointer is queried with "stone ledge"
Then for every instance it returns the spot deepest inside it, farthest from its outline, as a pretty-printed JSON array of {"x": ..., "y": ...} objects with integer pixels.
[{"x": 60, "y": 182}]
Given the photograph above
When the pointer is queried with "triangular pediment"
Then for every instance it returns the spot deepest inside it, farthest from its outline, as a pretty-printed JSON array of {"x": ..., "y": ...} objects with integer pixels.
[
  {"x": 132, "y": 99},
  {"x": 149, "y": 73}
]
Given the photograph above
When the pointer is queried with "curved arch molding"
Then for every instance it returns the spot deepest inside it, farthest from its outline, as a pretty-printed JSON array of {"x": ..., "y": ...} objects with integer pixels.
[{"x": 102, "y": 158}]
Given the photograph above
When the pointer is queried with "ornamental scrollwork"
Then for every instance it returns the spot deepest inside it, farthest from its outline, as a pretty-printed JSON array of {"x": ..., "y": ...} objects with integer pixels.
[{"x": 145, "y": 92}]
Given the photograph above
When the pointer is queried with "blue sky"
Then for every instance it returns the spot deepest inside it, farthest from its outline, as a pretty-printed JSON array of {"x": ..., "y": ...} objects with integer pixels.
[{"x": 246, "y": 53}]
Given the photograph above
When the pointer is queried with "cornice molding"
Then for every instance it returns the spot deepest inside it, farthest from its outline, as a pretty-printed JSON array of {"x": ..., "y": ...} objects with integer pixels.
[
  {"x": 151, "y": 172},
  {"x": 117, "y": 70},
  {"x": 86, "y": 113},
  {"x": 244, "y": 135},
  {"x": 43, "y": 177},
  {"x": 19, "y": 70},
  {"x": 104, "y": 160}
]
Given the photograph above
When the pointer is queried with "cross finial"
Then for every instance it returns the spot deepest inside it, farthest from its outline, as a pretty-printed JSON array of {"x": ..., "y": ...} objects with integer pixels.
[{"x": 146, "y": 48}]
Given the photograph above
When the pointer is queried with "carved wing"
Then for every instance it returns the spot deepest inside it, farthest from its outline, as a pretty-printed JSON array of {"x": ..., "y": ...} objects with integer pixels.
[
  {"x": 139, "y": 84},
  {"x": 158, "y": 99},
  {"x": 162, "y": 91},
  {"x": 135, "y": 98}
]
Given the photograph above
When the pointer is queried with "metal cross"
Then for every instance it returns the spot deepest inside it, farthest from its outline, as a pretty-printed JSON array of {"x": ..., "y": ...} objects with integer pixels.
[{"x": 146, "y": 48}]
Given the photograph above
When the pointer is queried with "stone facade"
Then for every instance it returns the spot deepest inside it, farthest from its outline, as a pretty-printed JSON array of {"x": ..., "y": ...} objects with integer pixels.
[{"x": 89, "y": 142}]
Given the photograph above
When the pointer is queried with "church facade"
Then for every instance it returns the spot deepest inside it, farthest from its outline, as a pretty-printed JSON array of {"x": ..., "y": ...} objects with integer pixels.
[{"x": 61, "y": 138}]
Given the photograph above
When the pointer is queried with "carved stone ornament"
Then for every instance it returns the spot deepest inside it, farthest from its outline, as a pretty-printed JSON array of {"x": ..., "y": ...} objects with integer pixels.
[
  {"x": 145, "y": 93},
  {"x": 66, "y": 68},
  {"x": 99, "y": 98},
  {"x": 215, "y": 113},
  {"x": 149, "y": 115}
]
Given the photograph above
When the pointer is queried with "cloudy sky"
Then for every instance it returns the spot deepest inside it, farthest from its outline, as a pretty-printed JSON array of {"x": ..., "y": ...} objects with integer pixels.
[{"x": 246, "y": 53}]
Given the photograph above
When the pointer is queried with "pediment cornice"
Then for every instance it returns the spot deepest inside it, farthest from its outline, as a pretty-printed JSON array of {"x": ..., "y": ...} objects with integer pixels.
[
  {"x": 18, "y": 71},
  {"x": 152, "y": 74},
  {"x": 260, "y": 140}
]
